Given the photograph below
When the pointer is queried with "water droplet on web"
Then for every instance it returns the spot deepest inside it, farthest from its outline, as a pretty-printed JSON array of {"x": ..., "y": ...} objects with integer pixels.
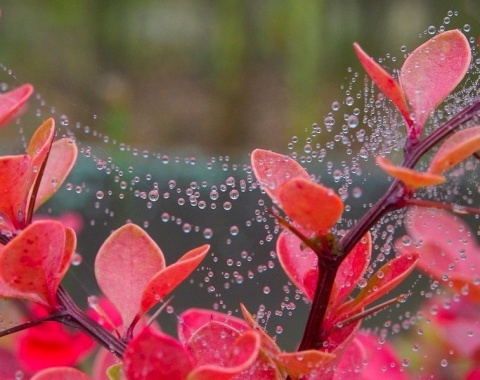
[
  {"x": 207, "y": 233},
  {"x": 431, "y": 30},
  {"x": 99, "y": 194},
  {"x": 153, "y": 195},
  {"x": 76, "y": 259},
  {"x": 444, "y": 363}
]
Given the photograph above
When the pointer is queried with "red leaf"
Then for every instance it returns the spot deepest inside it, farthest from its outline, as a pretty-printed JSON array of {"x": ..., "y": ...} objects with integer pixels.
[
  {"x": 411, "y": 178},
  {"x": 41, "y": 142},
  {"x": 385, "y": 279},
  {"x": 302, "y": 363},
  {"x": 315, "y": 207},
  {"x": 351, "y": 271},
  {"x": 273, "y": 169},
  {"x": 15, "y": 180},
  {"x": 297, "y": 263},
  {"x": 60, "y": 373},
  {"x": 432, "y": 71},
  {"x": 385, "y": 83},
  {"x": 30, "y": 262},
  {"x": 12, "y": 102},
  {"x": 124, "y": 265},
  {"x": 61, "y": 159},
  {"x": 170, "y": 277},
  {"x": 154, "y": 355},
  {"x": 455, "y": 149}
]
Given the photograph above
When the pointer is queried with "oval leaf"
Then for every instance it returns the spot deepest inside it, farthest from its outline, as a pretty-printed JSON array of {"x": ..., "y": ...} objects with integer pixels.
[
  {"x": 273, "y": 169},
  {"x": 302, "y": 363},
  {"x": 169, "y": 278},
  {"x": 12, "y": 102},
  {"x": 41, "y": 142},
  {"x": 455, "y": 149},
  {"x": 432, "y": 71},
  {"x": 315, "y": 207},
  {"x": 124, "y": 265},
  {"x": 297, "y": 263},
  {"x": 155, "y": 355},
  {"x": 61, "y": 159},
  {"x": 15, "y": 182},
  {"x": 385, "y": 83},
  {"x": 30, "y": 262},
  {"x": 411, "y": 178}
]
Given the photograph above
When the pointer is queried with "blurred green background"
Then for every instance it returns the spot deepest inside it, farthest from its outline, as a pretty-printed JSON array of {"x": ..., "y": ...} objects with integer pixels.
[{"x": 222, "y": 75}]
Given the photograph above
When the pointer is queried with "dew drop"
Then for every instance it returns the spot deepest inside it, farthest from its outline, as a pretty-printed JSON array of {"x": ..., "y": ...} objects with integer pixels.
[
  {"x": 207, "y": 233},
  {"x": 153, "y": 195},
  {"x": 76, "y": 259},
  {"x": 431, "y": 29},
  {"x": 100, "y": 194}
]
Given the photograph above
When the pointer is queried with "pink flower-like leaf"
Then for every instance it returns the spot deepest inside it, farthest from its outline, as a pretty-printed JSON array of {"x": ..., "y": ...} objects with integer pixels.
[
  {"x": 385, "y": 83},
  {"x": 221, "y": 352},
  {"x": 12, "y": 102},
  {"x": 60, "y": 373},
  {"x": 33, "y": 263},
  {"x": 273, "y": 169},
  {"x": 124, "y": 265},
  {"x": 455, "y": 149},
  {"x": 411, "y": 178},
  {"x": 130, "y": 270},
  {"x": 193, "y": 319},
  {"x": 313, "y": 206},
  {"x": 155, "y": 355},
  {"x": 432, "y": 71}
]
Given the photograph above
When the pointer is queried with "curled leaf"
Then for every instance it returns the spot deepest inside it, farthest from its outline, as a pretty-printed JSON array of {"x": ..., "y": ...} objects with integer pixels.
[
  {"x": 455, "y": 149},
  {"x": 385, "y": 83},
  {"x": 411, "y": 178},
  {"x": 273, "y": 169},
  {"x": 170, "y": 277},
  {"x": 313, "y": 206}
]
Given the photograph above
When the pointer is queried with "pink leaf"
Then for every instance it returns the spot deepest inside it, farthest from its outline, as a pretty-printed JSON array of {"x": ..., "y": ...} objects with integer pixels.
[
  {"x": 124, "y": 265},
  {"x": 455, "y": 149},
  {"x": 385, "y": 83},
  {"x": 411, "y": 178},
  {"x": 155, "y": 355},
  {"x": 297, "y": 263},
  {"x": 60, "y": 373},
  {"x": 61, "y": 159},
  {"x": 221, "y": 352},
  {"x": 193, "y": 319},
  {"x": 273, "y": 169},
  {"x": 12, "y": 102},
  {"x": 170, "y": 277},
  {"x": 315, "y": 207},
  {"x": 447, "y": 247},
  {"x": 30, "y": 262},
  {"x": 365, "y": 359},
  {"x": 41, "y": 142},
  {"x": 351, "y": 271},
  {"x": 432, "y": 71},
  {"x": 385, "y": 279},
  {"x": 15, "y": 174}
]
